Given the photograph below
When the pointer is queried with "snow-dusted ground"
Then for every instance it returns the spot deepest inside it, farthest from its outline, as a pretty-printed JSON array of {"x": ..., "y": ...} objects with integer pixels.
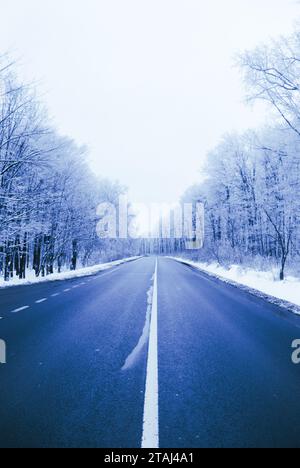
[
  {"x": 32, "y": 279},
  {"x": 285, "y": 293}
]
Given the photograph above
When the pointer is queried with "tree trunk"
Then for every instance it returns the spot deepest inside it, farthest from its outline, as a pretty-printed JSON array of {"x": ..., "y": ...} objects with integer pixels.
[{"x": 74, "y": 255}]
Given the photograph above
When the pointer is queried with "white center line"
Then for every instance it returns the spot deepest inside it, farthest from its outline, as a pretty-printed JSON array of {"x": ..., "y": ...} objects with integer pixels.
[
  {"x": 20, "y": 309},
  {"x": 55, "y": 295},
  {"x": 41, "y": 300},
  {"x": 67, "y": 290},
  {"x": 150, "y": 437}
]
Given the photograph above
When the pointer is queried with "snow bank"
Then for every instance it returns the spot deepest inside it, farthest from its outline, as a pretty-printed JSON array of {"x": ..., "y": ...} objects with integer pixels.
[
  {"x": 264, "y": 284},
  {"x": 65, "y": 275}
]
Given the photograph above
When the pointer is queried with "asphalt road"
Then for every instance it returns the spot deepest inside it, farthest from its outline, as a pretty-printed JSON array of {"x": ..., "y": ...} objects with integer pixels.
[{"x": 225, "y": 375}]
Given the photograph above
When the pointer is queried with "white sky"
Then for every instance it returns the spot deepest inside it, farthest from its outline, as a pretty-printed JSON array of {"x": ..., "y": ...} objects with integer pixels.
[{"x": 148, "y": 85}]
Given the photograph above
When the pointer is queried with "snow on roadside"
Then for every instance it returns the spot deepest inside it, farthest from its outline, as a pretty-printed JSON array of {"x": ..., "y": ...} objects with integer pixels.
[
  {"x": 264, "y": 284},
  {"x": 64, "y": 275}
]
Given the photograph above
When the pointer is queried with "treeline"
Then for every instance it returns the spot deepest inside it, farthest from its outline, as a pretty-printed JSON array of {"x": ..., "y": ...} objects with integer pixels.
[
  {"x": 251, "y": 189},
  {"x": 48, "y": 195}
]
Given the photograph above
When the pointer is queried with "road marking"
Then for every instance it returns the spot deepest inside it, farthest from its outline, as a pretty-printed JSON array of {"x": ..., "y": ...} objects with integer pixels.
[
  {"x": 41, "y": 300},
  {"x": 150, "y": 438},
  {"x": 20, "y": 309}
]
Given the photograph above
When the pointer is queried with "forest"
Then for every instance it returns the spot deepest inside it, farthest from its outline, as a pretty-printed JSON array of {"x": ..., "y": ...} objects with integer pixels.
[
  {"x": 48, "y": 194},
  {"x": 250, "y": 183}
]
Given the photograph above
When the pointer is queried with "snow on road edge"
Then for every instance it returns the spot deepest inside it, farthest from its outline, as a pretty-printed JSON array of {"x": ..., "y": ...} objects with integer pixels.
[
  {"x": 89, "y": 271},
  {"x": 284, "y": 294}
]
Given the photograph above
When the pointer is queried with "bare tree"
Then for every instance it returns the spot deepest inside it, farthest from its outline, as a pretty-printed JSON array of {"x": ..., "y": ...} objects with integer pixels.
[{"x": 272, "y": 74}]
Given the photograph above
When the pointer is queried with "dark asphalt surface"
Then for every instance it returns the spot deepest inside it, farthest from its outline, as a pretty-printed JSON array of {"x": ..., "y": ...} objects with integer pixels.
[{"x": 225, "y": 373}]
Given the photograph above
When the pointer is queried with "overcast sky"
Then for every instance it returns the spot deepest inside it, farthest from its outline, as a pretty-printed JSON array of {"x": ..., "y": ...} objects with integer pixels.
[{"x": 148, "y": 85}]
